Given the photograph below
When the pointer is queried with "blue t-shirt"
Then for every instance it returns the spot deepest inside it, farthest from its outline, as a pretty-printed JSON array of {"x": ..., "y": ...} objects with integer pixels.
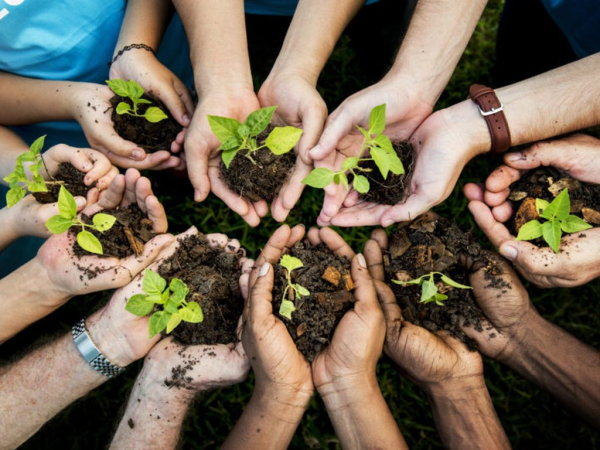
[
  {"x": 579, "y": 20},
  {"x": 277, "y": 7}
]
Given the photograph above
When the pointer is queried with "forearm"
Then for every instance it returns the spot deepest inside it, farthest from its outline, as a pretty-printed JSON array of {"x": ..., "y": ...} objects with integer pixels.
[
  {"x": 216, "y": 31},
  {"x": 9, "y": 233},
  {"x": 11, "y": 146},
  {"x": 145, "y": 22},
  {"x": 561, "y": 365},
  {"x": 465, "y": 417}
]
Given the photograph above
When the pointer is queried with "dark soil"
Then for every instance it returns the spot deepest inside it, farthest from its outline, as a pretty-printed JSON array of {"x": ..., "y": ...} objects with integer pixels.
[
  {"x": 318, "y": 314},
  {"x": 152, "y": 137},
  {"x": 127, "y": 236},
  {"x": 73, "y": 182},
  {"x": 436, "y": 244},
  {"x": 260, "y": 181},
  {"x": 213, "y": 279},
  {"x": 546, "y": 183},
  {"x": 397, "y": 187}
]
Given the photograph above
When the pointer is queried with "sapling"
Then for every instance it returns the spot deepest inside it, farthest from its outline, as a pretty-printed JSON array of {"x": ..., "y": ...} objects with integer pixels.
[
  {"x": 291, "y": 263},
  {"x": 380, "y": 149},
  {"x": 558, "y": 219},
  {"x": 133, "y": 91},
  {"x": 67, "y": 218},
  {"x": 236, "y": 136},
  {"x": 175, "y": 308},
  {"x": 429, "y": 290}
]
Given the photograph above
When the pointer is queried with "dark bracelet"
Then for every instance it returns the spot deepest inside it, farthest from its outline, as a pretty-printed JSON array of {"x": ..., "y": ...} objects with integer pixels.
[{"x": 131, "y": 47}]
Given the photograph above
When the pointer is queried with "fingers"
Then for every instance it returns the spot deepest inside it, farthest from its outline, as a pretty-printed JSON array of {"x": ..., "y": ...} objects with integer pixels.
[
  {"x": 313, "y": 121},
  {"x": 247, "y": 266},
  {"x": 131, "y": 179},
  {"x": 551, "y": 153},
  {"x": 332, "y": 240},
  {"x": 501, "y": 178},
  {"x": 360, "y": 215},
  {"x": 261, "y": 294},
  {"x": 374, "y": 259},
  {"x": 290, "y": 192},
  {"x": 379, "y": 236},
  {"x": 157, "y": 214},
  {"x": 474, "y": 191},
  {"x": 174, "y": 101},
  {"x": 496, "y": 232},
  {"x": 106, "y": 138},
  {"x": 111, "y": 198},
  {"x": 153, "y": 161},
  {"x": 339, "y": 124},
  {"x": 273, "y": 250},
  {"x": 391, "y": 312},
  {"x": 364, "y": 293},
  {"x": 197, "y": 163},
  {"x": 415, "y": 205}
]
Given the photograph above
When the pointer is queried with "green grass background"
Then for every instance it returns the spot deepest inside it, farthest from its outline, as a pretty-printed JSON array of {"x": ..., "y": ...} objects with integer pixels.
[{"x": 531, "y": 418}]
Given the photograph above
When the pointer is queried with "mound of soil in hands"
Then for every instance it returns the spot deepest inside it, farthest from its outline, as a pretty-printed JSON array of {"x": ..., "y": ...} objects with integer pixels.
[
  {"x": 212, "y": 276},
  {"x": 127, "y": 236},
  {"x": 152, "y": 137},
  {"x": 72, "y": 181},
  {"x": 397, "y": 187},
  {"x": 546, "y": 183},
  {"x": 261, "y": 180},
  {"x": 327, "y": 277},
  {"x": 431, "y": 244}
]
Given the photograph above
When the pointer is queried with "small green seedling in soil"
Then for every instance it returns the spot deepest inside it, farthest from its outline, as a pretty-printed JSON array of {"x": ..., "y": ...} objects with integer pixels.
[
  {"x": 290, "y": 263},
  {"x": 236, "y": 136},
  {"x": 133, "y": 91},
  {"x": 175, "y": 308},
  {"x": 429, "y": 291},
  {"x": 19, "y": 182},
  {"x": 557, "y": 218},
  {"x": 67, "y": 218},
  {"x": 380, "y": 150}
]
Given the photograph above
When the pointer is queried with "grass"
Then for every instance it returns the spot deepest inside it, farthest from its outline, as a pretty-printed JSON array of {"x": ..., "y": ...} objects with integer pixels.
[{"x": 531, "y": 418}]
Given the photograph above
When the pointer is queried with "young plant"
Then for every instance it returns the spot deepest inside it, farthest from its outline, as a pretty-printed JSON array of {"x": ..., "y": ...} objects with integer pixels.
[
  {"x": 133, "y": 91},
  {"x": 380, "y": 150},
  {"x": 236, "y": 137},
  {"x": 19, "y": 182},
  {"x": 290, "y": 263},
  {"x": 172, "y": 298},
  {"x": 558, "y": 219},
  {"x": 67, "y": 218},
  {"x": 429, "y": 290}
]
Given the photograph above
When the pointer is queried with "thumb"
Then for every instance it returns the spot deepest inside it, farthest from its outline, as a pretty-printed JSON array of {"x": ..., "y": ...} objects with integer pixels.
[
  {"x": 532, "y": 259},
  {"x": 175, "y": 103},
  {"x": 365, "y": 293},
  {"x": 414, "y": 206},
  {"x": 338, "y": 125},
  {"x": 109, "y": 141},
  {"x": 261, "y": 294},
  {"x": 312, "y": 124},
  {"x": 550, "y": 153},
  {"x": 152, "y": 250}
]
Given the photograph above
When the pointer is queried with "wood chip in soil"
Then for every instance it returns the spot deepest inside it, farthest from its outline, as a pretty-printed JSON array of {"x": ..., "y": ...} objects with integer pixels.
[{"x": 73, "y": 182}]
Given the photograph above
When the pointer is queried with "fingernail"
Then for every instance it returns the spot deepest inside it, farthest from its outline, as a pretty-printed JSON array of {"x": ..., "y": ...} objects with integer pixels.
[
  {"x": 514, "y": 156},
  {"x": 361, "y": 260},
  {"x": 80, "y": 202},
  {"x": 137, "y": 154},
  {"x": 186, "y": 120},
  {"x": 87, "y": 180},
  {"x": 315, "y": 151},
  {"x": 387, "y": 222},
  {"x": 264, "y": 269},
  {"x": 197, "y": 195},
  {"x": 509, "y": 252}
]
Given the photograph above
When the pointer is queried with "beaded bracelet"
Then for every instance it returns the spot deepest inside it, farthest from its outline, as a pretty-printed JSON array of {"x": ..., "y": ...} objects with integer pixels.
[{"x": 131, "y": 47}]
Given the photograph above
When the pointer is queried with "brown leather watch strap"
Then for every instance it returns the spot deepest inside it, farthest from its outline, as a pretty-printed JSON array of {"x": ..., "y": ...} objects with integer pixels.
[{"x": 492, "y": 111}]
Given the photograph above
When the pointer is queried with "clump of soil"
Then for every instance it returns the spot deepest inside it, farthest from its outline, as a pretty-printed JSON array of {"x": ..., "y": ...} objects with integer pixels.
[
  {"x": 212, "y": 276},
  {"x": 127, "y": 236},
  {"x": 546, "y": 183},
  {"x": 397, "y": 187},
  {"x": 152, "y": 137},
  {"x": 431, "y": 244},
  {"x": 260, "y": 181},
  {"x": 72, "y": 181},
  {"x": 327, "y": 277}
]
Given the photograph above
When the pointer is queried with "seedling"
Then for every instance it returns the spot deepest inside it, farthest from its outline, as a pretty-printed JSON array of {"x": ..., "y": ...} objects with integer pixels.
[
  {"x": 67, "y": 218},
  {"x": 172, "y": 298},
  {"x": 290, "y": 263},
  {"x": 133, "y": 91},
  {"x": 235, "y": 136},
  {"x": 429, "y": 290},
  {"x": 557, "y": 218},
  {"x": 380, "y": 150},
  {"x": 19, "y": 182}
]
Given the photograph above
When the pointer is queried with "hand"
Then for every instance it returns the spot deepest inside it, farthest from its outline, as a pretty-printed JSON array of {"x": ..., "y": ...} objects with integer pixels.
[
  {"x": 157, "y": 79},
  {"x": 203, "y": 159},
  {"x": 299, "y": 105}
]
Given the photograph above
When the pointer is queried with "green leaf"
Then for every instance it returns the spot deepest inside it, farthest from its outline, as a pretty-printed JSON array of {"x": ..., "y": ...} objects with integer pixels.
[
  {"x": 158, "y": 322},
  {"x": 228, "y": 156},
  {"x": 142, "y": 101},
  {"x": 287, "y": 308},
  {"x": 89, "y": 242},
  {"x": 38, "y": 184},
  {"x": 243, "y": 131},
  {"x": 26, "y": 157},
  {"x": 552, "y": 234},
  {"x": 344, "y": 180},
  {"x": 396, "y": 166},
  {"x": 530, "y": 231},
  {"x": 361, "y": 184},
  {"x": 173, "y": 322},
  {"x": 319, "y": 178},
  {"x": 290, "y": 263},
  {"x": 231, "y": 144},
  {"x": 103, "y": 222},
  {"x": 541, "y": 205},
  {"x": 559, "y": 208},
  {"x": 119, "y": 87},
  {"x": 573, "y": 224},
  {"x": 384, "y": 142},
  {"x": 192, "y": 313},
  {"x": 134, "y": 90},
  {"x": 450, "y": 282},
  {"x": 14, "y": 196},
  {"x": 282, "y": 139},
  {"x": 364, "y": 132},
  {"x": 377, "y": 120},
  {"x": 157, "y": 298},
  {"x": 153, "y": 283},
  {"x": 37, "y": 146},
  {"x": 66, "y": 203},
  {"x": 139, "y": 305},
  {"x": 350, "y": 163},
  {"x": 58, "y": 224},
  {"x": 224, "y": 128},
  {"x": 439, "y": 299},
  {"x": 301, "y": 290},
  {"x": 259, "y": 120},
  {"x": 123, "y": 108},
  {"x": 171, "y": 306},
  {"x": 382, "y": 159},
  {"x": 154, "y": 114},
  {"x": 428, "y": 290},
  {"x": 179, "y": 290}
]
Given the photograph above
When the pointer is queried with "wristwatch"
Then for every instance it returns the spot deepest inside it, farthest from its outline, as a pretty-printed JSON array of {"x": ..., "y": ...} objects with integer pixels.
[
  {"x": 90, "y": 352},
  {"x": 492, "y": 111}
]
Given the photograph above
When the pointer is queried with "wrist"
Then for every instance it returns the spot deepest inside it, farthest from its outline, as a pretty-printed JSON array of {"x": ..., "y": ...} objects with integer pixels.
[
  {"x": 463, "y": 387},
  {"x": 110, "y": 339},
  {"x": 151, "y": 385},
  {"x": 342, "y": 392},
  {"x": 49, "y": 294},
  {"x": 465, "y": 119},
  {"x": 8, "y": 218},
  {"x": 519, "y": 347},
  {"x": 279, "y": 399}
]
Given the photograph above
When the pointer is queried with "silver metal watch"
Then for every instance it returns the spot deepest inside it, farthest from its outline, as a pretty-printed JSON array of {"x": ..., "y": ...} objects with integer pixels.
[{"x": 90, "y": 352}]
